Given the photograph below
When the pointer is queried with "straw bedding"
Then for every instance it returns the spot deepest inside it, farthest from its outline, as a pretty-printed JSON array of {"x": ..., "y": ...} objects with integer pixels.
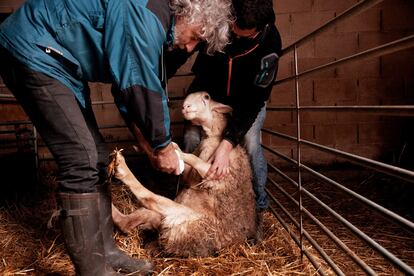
[{"x": 28, "y": 247}]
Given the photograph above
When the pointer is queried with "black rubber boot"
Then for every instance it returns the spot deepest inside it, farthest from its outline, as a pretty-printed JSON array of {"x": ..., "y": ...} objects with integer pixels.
[
  {"x": 79, "y": 218},
  {"x": 115, "y": 257}
]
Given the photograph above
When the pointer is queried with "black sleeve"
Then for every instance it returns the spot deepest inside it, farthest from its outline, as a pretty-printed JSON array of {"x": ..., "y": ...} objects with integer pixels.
[
  {"x": 174, "y": 59},
  {"x": 200, "y": 80},
  {"x": 248, "y": 107},
  {"x": 148, "y": 110},
  {"x": 244, "y": 114}
]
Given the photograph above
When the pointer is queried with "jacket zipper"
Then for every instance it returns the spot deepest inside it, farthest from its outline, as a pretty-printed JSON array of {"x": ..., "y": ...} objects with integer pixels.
[{"x": 231, "y": 66}]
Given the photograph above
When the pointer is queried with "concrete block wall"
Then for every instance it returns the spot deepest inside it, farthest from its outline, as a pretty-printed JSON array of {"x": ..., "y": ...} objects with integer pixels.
[{"x": 385, "y": 80}]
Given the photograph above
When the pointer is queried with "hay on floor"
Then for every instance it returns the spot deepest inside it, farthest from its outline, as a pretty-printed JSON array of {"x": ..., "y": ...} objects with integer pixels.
[{"x": 28, "y": 247}]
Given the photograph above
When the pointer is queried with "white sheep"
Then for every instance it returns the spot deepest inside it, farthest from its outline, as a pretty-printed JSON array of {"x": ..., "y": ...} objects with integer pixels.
[{"x": 207, "y": 215}]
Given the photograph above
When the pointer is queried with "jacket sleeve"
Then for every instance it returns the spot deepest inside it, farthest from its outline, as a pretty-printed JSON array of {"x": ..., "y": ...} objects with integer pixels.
[
  {"x": 174, "y": 59},
  {"x": 245, "y": 113},
  {"x": 247, "y": 108},
  {"x": 134, "y": 40},
  {"x": 201, "y": 68}
]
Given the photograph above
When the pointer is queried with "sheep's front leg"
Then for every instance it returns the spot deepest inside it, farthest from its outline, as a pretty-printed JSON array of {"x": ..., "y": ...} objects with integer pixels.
[
  {"x": 197, "y": 163},
  {"x": 193, "y": 161},
  {"x": 172, "y": 211}
]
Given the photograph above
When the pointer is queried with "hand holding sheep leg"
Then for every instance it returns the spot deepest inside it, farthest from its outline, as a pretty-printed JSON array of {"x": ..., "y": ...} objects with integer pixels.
[
  {"x": 162, "y": 205},
  {"x": 167, "y": 160},
  {"x": 161, "y": 159},
  {"x": 220, "y": 161}
]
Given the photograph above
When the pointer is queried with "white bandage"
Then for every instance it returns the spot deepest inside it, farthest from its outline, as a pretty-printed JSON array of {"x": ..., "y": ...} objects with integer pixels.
[{"x": 180, "y": 162}]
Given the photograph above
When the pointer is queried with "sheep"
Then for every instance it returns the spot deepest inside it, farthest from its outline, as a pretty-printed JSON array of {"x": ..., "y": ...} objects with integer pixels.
[{"x": 207, "y": 215}]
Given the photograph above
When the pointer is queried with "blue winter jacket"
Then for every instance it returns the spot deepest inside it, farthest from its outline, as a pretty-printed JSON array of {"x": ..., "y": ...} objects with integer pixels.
[{"x": 111, "y": 41}]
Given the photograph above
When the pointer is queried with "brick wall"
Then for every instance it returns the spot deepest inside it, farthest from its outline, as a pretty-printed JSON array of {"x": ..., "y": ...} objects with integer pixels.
[{"x": 383, "y": 80}]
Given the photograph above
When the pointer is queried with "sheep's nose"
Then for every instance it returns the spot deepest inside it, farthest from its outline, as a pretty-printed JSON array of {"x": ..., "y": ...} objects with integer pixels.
[{"x": 186, "y": 106}]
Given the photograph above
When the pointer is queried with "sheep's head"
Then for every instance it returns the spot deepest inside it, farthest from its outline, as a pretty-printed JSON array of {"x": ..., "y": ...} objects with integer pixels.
[{"x": 201, "y": 110}]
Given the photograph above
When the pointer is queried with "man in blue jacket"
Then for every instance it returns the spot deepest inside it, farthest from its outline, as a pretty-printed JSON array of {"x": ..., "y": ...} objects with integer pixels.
[{"x": 50, "y": 50}]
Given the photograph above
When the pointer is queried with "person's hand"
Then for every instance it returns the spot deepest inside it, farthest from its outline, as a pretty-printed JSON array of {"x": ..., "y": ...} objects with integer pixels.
[
  {"x": 166, "y": 160},
  {"x": 220, "y": 161}
]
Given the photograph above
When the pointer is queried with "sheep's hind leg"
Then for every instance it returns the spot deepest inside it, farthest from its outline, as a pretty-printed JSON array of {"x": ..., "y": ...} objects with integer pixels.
[
  {"x": 142, "y": 218},
  {"x": 173, "y": 212}
]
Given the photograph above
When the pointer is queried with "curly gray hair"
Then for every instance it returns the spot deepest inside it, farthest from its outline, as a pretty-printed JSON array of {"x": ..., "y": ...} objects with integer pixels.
[{"x": 214, "y": 17}]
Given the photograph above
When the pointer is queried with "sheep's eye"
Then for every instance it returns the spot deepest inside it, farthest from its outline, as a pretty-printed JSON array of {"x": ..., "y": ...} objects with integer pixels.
[{"x": 206, "y": 97}]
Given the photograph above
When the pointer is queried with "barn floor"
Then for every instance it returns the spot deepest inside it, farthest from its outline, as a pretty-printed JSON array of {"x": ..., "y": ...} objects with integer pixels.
[
  {"x": 391, "y": 193},
  {"x": 28, "y": 247}
]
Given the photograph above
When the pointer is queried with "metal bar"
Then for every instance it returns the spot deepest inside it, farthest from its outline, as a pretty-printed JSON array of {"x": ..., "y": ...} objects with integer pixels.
[
  {"x": 315, "y": 264},
  {"x": 366, "y": 162},
  {"x": 298, "y": 147},
  {"x": 355, "y": 9},
  {"x": 403, "y": 174},
  {"x": 334, "y": 238},
  {"x": 360, "y": 234},
  {"x": 394, "y": 110},
  {"x": 282, "y": 156},
  {"x": 375, "y": 206},
  {"x": 388, "y": 48},
  {"x": 388, "y": 255}
]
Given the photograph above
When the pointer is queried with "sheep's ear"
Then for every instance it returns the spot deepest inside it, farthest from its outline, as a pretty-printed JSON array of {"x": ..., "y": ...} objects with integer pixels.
[{"x": 221, "y": 108}]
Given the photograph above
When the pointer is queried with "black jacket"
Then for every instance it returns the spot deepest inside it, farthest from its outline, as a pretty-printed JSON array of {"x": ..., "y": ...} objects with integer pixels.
[{"x": 241, "y": 77}]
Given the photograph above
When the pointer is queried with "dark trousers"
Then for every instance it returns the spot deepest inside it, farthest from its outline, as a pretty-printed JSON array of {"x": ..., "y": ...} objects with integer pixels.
[{"x": 69, "y": 130}]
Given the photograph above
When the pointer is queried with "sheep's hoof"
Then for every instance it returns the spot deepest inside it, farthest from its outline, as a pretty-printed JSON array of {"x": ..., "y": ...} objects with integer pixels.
[{"x": 117, "y": 158}]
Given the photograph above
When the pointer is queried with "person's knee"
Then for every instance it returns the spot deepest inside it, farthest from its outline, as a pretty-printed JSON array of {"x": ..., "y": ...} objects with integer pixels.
[
  {"x": 78, "y": 171},
  {"x": 252, "y": 143}
]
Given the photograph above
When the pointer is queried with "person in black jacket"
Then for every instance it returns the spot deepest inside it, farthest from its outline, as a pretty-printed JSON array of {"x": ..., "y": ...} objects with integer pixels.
[{"x": 242, "y": 77}]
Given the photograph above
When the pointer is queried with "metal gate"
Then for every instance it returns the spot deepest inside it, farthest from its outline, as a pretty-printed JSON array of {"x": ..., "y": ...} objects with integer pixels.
[{"x": 295, "y": 226}]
